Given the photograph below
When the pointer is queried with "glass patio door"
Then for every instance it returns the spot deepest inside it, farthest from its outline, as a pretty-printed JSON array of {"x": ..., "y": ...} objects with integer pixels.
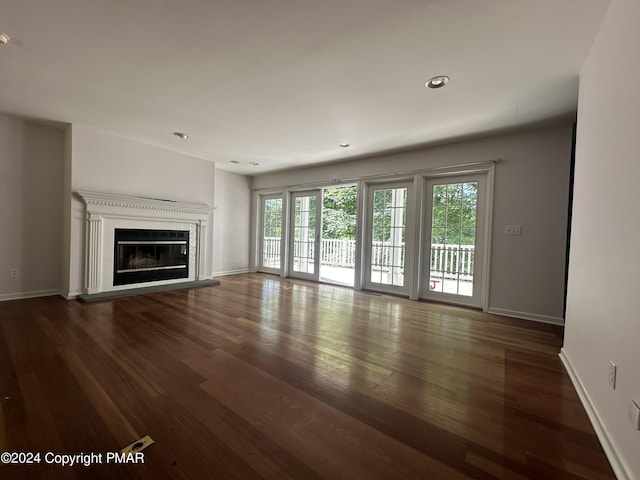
[
  {"x": 454, "y": 240},
  {"x": 387, "y": 262},
  {"x": 271, "y": 234},
  {"x": 304, "y": 258},
  {"x": 338, "y": 240}
]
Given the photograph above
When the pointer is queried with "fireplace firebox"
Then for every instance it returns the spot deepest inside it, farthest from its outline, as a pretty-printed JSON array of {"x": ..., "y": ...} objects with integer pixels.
[{"x": 150, "y": 255}]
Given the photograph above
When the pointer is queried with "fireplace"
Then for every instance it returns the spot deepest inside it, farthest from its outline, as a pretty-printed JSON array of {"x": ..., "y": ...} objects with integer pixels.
[
  {"x": 135, "y": 242},
  {"x": 145, "y": 255}
]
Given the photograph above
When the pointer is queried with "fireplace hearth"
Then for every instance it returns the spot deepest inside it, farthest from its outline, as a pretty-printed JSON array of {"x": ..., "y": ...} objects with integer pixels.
[{"x": 145, "y": 255}]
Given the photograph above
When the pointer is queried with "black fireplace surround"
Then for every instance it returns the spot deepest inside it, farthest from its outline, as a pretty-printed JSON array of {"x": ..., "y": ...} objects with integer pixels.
[{"x": 150, "y": 255}]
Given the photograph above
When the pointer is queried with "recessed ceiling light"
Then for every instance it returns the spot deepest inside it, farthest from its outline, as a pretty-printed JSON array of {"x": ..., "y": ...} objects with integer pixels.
[
  {"x": 437, "y": 82},
  {"x": 181, "y": 135},
  {"x": 254, "y": 163},
  {"x": 344, "y": 145},
  {"x": 4, "y": 38},
  {"x": 235, "y": 162}
]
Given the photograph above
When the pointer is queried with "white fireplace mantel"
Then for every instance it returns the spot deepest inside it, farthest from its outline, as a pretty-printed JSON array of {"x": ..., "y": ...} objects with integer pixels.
[{"x": 105, "y": 212}]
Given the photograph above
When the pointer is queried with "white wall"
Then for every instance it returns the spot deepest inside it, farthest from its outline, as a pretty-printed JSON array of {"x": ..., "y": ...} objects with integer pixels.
[
  {"x": 31, "y": 192},
  {"x": 231, "y": 223},
  {"x": 531, "y": 189},
  {"x": 604, "y": 274},
  {"x": 102, "y": 162}
]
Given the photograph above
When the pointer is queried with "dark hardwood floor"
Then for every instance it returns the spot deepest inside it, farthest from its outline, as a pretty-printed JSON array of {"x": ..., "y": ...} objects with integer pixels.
[{"x": 263, "y": 377}]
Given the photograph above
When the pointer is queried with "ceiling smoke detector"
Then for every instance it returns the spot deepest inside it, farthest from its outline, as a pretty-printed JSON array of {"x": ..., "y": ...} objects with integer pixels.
[
  {"x": 437, "y": 82},
  {"x": 181, "y": 135},
  {"x": 4, "y": 38},
  {"x": 344, "y": 145}
]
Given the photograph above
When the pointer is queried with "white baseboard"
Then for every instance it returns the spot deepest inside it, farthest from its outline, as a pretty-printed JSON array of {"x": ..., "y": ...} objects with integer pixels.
[
  {"x": 20, "y": 295},
  {"x": 230, "y": 272},
  {"x": 527, "y": 316},
  {"x": 618, "y": 464}
]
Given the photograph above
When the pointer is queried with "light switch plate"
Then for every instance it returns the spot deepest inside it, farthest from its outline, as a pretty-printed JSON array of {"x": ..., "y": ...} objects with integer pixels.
[{"x": 513, "y": 230}]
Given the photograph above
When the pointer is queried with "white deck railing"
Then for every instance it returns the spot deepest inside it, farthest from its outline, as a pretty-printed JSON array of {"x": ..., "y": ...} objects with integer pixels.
[
  {"x": 450, "y": 260},
  {"x": 338, "y": 252},
  {"x": 445, "y": 260}
]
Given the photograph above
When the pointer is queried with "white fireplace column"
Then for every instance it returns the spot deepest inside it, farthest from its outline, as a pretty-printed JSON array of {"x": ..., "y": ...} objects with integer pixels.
[
  {"x": 93, "y": 255},
  {"x": 201, "y": 246},
  {"x": 106, "y": 212}
]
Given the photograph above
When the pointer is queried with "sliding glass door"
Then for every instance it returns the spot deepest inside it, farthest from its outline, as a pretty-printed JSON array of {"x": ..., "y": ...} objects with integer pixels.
[
  {"x": 437, "y": 255},
  {"x": 386, "y": 259},
  {"x": 338, "y": 240},
  {"x": 270, "y": 259},
  {"x": 304, "y": 258},
  {"x": 454, "y": 231}
]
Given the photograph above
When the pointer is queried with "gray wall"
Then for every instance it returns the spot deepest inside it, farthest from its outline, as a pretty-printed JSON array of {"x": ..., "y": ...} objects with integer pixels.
[
  {"x": 531, "y": 189},
  {"x": 31, "y": 193},
  {"x": 231, "y": 222},
  {"x": 604, "y": 271}
]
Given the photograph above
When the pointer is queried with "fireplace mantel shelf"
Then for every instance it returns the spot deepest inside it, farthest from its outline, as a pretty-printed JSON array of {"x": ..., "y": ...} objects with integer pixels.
[{"x": 96, "y": 200}]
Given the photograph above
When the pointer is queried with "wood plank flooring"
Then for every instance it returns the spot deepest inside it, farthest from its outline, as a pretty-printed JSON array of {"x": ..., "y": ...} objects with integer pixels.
[{"x": 263, "y": 377}]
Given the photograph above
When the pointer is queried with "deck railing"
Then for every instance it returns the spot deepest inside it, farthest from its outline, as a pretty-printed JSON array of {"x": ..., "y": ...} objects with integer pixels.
[
  {"x": 445, "y": 260},
  {"x": 449, "y": 261},
  {"x": 338, "y": 252}
]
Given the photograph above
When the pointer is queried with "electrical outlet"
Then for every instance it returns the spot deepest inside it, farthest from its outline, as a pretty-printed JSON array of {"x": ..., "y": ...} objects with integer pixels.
[
  {"x": 612, "y": 374},
  {"x": 13, "y": 272},
  {"x": 513, "y": 230}
]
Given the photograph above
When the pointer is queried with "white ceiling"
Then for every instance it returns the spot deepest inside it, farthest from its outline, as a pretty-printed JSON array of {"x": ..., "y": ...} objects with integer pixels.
[{"x": 282, "y": 82}]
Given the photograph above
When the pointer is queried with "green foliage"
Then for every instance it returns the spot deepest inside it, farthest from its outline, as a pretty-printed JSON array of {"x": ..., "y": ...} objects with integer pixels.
[
  {"x": 273, "y": 217},
  {"x": 384, "y": 211},
  {"x": 454, "y": 213},
  {"x": 339, "y": 212}
]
